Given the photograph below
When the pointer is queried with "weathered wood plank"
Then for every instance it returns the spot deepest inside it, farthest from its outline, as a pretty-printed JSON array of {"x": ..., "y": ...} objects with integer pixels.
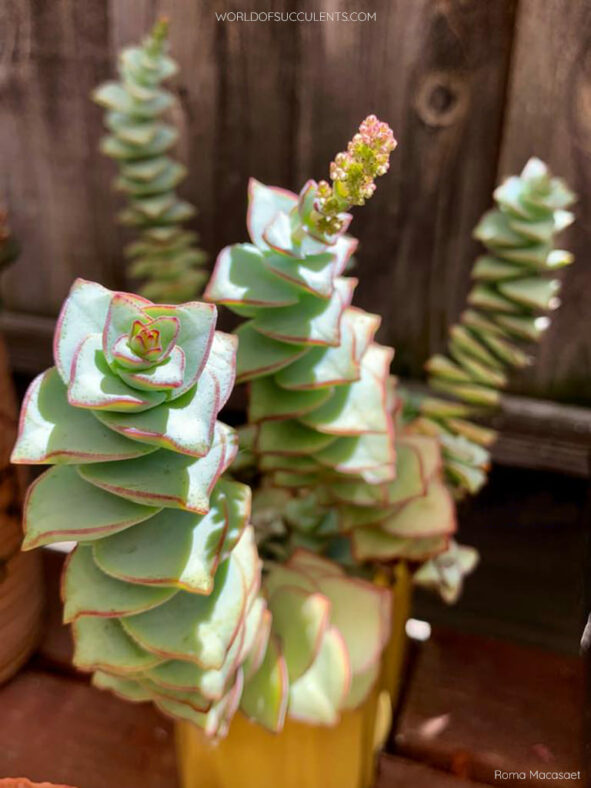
[
  {"x": 477, "y": 705},
  {"x": 548, "y": 115},
  {"x": 52, "y": 176},
  {"x": 397, "y": 772},
  {"x": 436, "y": 71},
  {"x": 64, "y": 731}
]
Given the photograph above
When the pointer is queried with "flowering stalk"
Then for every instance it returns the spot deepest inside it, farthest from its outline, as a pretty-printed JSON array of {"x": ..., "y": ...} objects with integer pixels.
[
  {"x": 353, "y": 174},
  {"x": 335, "y": 478},
  {"x": 165, "y": 256}
]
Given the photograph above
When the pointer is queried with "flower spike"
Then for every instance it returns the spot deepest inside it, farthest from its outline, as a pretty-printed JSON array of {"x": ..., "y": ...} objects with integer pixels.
[{"x": 353, "y": 173}]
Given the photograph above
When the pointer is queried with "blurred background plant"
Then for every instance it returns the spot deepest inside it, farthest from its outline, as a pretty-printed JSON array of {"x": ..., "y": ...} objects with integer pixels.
[{"x": 165, "y": 257}]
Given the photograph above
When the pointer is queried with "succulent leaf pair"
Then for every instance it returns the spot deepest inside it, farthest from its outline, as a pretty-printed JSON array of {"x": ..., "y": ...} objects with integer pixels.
[
  {"x": 163, "y": 587},
  {"x": 165, "y": 256}
]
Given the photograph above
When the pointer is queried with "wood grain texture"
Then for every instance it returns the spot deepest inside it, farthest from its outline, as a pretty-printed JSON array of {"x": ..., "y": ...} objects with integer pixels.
[
  {"x": 549, "y": 115},
  {"x": 477, "y": 705},
  {"x": 53, "y": 178},
  {"x": 56, "y": 729},
  {"x": 21, "y": 590},
  {"x": 436, "y": 71}
]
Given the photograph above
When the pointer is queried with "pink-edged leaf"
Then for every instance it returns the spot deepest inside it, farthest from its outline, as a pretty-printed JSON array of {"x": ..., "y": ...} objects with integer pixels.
[
  {"x": 185, "y": 425},
  {"x": 290, "y": 438},
  {"x": 313, "y": 321},
  {"x": 333, "y": 365},
  {"x": 433, "y": 514},
  {"x": 373, "y": 544},
  {"x": 101, "y": 643},
  {"x": 264, "y": 203},
  {"x": 268, "y": 401},
  {"x": 93, "y": 385},
  {"x": 313, "y": 275},
  {"x": 318, "y": 695},
  {"x": 278, "y": 235},
  {"x": 360, "y": 453},
  {"x": 314, "y": 565},
  {"x": 197, "y": 325},
  {"x": 170, "y": 479},
  {"x": 167, "y": 375},
  {"x": 258, "y": 648},
  {"x": 195, "y": 627},
  {"x": 300, "y": 620},
  {"x": 84, "y": 312},
  {"x": 62, "y": 506},
  {"x": 361, "y": 407},
  {"x": 265, "y": 694},
  {"x": 125, "y": 357},
  {"x": 221, "y": 363},
  {"x": 124, "y": 310},
  {"x": 86, "y": 590},
  {"x": 342, "y": 250},
  {"x": 261, "y": 355},
  {"x": 52, "y": 431},
  {"x": 360, "y": 611},
  {"x": 240, "y": 277}
]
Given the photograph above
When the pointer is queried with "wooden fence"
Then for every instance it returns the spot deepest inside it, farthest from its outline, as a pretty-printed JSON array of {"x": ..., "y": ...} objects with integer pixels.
[{"x": 472, "y": 88}]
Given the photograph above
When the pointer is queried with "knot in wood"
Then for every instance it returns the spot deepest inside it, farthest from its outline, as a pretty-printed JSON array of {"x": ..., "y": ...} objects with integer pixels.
[{"x": 442, "y": 98}]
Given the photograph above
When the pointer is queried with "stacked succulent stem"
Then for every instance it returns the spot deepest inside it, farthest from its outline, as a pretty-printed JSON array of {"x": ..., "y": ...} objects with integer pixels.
[
  {"x": 321, "y": 399},
  {"x": 165, "y": 256},
  {"x": 515, "y": 289},
  {"x": 162, "y": 589}
]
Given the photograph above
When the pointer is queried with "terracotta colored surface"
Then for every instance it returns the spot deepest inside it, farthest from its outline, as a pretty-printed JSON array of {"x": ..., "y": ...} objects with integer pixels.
[
  {"x": 59, "y": 729},
  {"x": 477, "y": 705},
  {"x": 399, "y": 773},
  {"x": 22, "y": 782},
  {"x": 21, "y": 590}
]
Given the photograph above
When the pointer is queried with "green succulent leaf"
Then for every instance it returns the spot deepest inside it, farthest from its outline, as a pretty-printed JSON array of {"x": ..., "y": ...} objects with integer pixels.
[
  {"x": 52, "y": 431},
  {"x": 319, "y": 694},
  {"x": 264, "y": 699},
  {"x": 300, "y": 620},
  {"x": 169, "y": 479},
  {"x": 97, "y": 513},
  {"x": 89, "y": 591}
]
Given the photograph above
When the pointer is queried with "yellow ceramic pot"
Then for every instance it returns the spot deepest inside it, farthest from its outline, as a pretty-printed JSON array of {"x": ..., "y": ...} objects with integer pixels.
[{"x": 303, "y": 756}]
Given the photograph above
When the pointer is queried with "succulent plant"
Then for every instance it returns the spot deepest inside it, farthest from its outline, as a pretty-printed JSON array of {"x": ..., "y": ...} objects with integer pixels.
[
  {"x": 165, "y": 256},
  {"x": 321, "y": 399},
  {"x": 323, "y": 654},
  {"x": 163, "y": 587},
  {"x": 515, "y": 287}
]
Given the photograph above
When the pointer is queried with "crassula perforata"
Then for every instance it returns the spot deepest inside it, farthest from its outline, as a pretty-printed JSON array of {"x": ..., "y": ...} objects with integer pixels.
[
  {"x": 337, "y": 477},
  {"x": 322, "y": 403},
  {"x": 163, "y": 587},
  {"x": 165, "y": 256},
  {"x": 515, "y": 287}
]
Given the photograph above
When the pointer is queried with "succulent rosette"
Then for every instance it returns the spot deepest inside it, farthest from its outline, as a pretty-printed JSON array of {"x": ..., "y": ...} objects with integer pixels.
[
  {"x": 323, "y": 653},
  {"x": 165, "y": 256},
  {"x": 163, "y": 586}
]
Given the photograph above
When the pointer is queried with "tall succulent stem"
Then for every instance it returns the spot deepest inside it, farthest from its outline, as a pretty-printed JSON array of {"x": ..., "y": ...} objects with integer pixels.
[
  {"x": 162, "y": 588},
  {"x": 165, "y": 255}
]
